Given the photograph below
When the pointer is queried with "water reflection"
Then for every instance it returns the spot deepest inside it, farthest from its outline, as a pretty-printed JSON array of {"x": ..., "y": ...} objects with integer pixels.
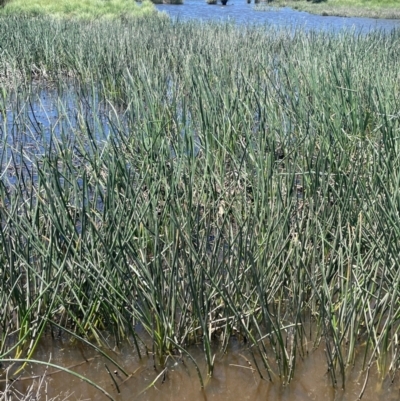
[
  {"x": 36, "y": 123},
  {"x": 242, "y": 12}
]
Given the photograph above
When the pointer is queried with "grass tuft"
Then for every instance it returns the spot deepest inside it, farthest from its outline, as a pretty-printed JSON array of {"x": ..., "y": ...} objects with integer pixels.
[{"x": 85, "y": 9}]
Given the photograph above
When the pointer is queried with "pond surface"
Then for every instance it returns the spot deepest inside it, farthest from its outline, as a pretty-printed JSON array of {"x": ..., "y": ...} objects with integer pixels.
[
  {"x": 234, "y": 377},
  {"x": 33, "y": 124},
  {"x": 47, "y": 117},
  {"x": 242, "y": 12}
]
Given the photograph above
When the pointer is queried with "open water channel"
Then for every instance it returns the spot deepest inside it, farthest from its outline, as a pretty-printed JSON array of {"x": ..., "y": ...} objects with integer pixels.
[
  {"x": 234, "y": 377},
  {"x": 241, "y": 12}
]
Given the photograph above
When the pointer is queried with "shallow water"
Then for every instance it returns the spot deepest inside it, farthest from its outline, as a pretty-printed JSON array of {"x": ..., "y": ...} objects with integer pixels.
[
  {"x": 234, "y": 378},
  {"x": 33, "y": 124},
  {"x": 242, "y": 12}
]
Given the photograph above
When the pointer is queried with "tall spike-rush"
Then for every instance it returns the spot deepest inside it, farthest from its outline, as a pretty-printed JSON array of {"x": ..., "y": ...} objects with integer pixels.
[{"x": 200, "y": 189}]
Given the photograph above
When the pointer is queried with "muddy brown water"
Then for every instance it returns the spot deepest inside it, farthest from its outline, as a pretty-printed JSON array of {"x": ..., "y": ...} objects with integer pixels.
[{"x": 233, "y": 378}]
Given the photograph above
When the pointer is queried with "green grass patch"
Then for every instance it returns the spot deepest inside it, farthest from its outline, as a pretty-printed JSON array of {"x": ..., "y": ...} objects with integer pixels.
[
  {"x": 85, "y": 9},
  {"x": 346, "y": 8}
]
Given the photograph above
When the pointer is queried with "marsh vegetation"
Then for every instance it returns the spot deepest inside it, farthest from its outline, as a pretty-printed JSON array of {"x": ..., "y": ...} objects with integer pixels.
[
  {"x": 82, "y": 9},
  {"x": 198, "y": 190}
]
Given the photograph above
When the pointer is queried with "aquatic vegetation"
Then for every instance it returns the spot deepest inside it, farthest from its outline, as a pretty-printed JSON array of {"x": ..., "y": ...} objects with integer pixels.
[{"x": 201, "y": 189}]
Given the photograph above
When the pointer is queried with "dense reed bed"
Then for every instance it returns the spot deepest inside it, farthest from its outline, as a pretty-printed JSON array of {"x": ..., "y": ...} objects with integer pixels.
[{"x": 205, "y": 181}]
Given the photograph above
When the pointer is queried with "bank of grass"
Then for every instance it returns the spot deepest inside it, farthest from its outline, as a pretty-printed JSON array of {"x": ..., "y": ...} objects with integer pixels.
[
  {"x": 346, "y": 8},
  {"x": 200, "y": 190},
  {"x": 85, "y": 9}
]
